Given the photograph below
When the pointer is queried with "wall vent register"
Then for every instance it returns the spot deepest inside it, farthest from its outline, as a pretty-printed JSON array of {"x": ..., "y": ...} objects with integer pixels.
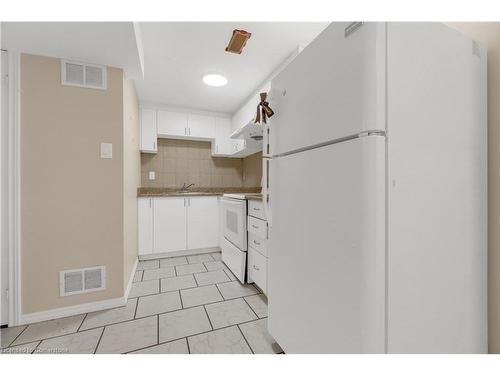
[
  {"x": 83, "y": 75},
  {"x": 84, "y": 280}
]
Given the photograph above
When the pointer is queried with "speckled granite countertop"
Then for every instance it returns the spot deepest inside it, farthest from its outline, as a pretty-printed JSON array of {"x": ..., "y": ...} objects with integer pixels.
[
  {"x": 255, "y": 197},
  {"x": 199, "y": 191}
]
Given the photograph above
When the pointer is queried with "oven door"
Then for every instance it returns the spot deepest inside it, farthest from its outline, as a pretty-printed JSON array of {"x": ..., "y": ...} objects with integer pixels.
[{"x": 234, "y": 222}]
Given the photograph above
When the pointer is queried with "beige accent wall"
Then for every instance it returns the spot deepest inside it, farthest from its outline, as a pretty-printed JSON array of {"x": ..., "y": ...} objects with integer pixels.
[
  {"x": 252, "y": 170},
  {"x": 487, "y": 33},
  {"x": 71, "y": 200},
  {"x": 190, "y": 162},
  {"x": 131, "y": 176}
]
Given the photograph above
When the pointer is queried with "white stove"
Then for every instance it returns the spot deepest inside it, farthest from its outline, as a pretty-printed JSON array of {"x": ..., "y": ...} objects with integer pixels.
[{"x": 234, "y": 229}]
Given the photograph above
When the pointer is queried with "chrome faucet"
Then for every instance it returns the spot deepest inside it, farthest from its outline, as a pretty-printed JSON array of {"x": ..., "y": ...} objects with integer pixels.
[{"x": 185, "y": 187}]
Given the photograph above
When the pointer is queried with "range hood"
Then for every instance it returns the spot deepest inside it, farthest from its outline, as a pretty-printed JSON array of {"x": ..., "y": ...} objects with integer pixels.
[{"x": 250, "y": 131}]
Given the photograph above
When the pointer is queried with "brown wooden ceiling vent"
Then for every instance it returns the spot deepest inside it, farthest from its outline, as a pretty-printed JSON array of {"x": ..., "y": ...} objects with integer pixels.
[{"x": 238, "y": 41}]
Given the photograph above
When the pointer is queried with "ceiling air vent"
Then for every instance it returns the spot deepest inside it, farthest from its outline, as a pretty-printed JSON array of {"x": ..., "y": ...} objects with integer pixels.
[
  {"x": 238, "y": 41},
  {"x": 82, "y": 280},
  {"x": 83, "y": 75}
]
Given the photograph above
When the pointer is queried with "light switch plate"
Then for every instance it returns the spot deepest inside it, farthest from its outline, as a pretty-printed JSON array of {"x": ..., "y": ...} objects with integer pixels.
[
  {"x": 152, "y": 175},
  {"x": 106, "y": 150}
]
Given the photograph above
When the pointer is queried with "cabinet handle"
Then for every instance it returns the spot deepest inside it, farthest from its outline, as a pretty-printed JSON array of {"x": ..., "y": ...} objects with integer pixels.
[
  {"x": 154, "y": 145},
  {"x": 256, "y": 209},
  {"x": 150, "y": 203},
  {"x": 255, "y": 242},
  {"x": 185, "y": 131},
  {"x": 255, "y": 226},
  {"x": 256, "y": 268},
  {"x": 189, "y": 130}
]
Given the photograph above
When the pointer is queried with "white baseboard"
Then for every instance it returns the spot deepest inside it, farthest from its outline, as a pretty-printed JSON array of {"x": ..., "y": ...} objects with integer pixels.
[
  {"x": 83, "y": 308},
  {"x": 180, "y": 253},
  {"x": 63, "y": 312},
  {"x": 130, "y": 280}
]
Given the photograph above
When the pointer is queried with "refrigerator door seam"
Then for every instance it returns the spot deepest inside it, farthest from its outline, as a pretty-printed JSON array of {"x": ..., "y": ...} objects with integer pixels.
[{"x": 368, "y": 133}]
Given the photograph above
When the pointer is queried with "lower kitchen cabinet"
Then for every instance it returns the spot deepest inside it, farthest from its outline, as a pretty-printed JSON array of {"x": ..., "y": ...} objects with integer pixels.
[
  {"x": 257, "y": 269},
  {"x": 168, "y": 224},
  {"x": 145, "y": 225},
  {"x": 202, "y": 222},
  {"x": 257, "y": 245}
]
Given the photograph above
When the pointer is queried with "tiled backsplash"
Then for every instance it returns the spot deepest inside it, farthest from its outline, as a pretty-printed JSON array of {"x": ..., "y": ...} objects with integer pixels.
[{"x": 180, "y": 161}]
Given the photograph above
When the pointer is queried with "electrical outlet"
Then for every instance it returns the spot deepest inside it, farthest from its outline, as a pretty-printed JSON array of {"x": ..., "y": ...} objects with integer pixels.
[{"x": 152, "y": 175}]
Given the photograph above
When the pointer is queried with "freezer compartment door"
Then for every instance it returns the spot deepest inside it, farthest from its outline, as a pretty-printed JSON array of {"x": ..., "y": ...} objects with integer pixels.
[
  {"x": 333, "y": 89},
  {"x": 326, "y": 283}
]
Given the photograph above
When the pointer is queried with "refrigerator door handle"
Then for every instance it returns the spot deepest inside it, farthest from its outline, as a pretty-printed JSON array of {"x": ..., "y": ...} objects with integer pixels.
[{"x": 265, "y": 190}]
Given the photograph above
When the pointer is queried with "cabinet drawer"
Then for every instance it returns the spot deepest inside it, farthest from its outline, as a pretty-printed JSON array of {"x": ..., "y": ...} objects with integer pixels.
[
  {"x": 257, "y": 226},
  {"x": 256, "y": 209},
  {"x": 258, "y": 243},
  {"x": 257, "y": 269}
]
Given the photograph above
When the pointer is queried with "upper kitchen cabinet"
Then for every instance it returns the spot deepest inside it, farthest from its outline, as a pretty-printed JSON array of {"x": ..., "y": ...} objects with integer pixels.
[
  {"x": 162, "y": 123},
  {"x": 172, "y": 124},
  {"x": 223, "y": 144},
  {"x": 149, "y": 142},
  {"x": 201, "y": 126}
]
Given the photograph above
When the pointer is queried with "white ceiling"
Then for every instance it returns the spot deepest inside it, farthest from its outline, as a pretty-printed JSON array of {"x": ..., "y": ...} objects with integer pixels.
[
  {"x": 106, "y": 43},
  {"x": 171, "y": 56},
  {"x": 177, "y": 55}
]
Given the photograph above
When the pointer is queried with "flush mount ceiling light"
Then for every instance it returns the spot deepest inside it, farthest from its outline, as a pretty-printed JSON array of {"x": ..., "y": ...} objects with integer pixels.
[{"x": 215, "y": 80}]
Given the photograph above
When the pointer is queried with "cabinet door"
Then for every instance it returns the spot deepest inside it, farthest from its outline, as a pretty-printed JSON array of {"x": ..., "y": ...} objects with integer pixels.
[
  {"x": 202, "y": 222},
  {"x": 145, "y": 225},
  {"x": 169, "y": 224},
  {"x": 200, "y": 126},
  {"x": 222, "y": 132},
  {"x": 148, "y": 131},
  {"x": 172, "y": 124}
]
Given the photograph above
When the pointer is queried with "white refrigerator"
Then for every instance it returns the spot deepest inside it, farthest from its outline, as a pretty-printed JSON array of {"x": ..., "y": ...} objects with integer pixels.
[{"x": 377, "y": 193}]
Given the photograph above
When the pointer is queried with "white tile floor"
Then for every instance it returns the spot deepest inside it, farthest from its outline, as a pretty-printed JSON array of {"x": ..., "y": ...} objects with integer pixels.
[{"x": 179, "y": 305}]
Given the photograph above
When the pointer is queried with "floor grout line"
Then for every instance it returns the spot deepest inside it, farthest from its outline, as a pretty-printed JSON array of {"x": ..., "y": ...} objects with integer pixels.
[
  {"x": 244, "y": 338},
  {"x": 208, "y": 316},
  {"x": 20, "y": 333},
  {"x": 36, "y": 347},
  {"x": 142, "y": 317},
  {"x": 80, "y": 326},
  {"x": 148, "y": 316},
  {"x": 194, "y": 334},
  {"x": 136, "y": 306},
  {"x": 100, "y": 338},
  {"x": 257, "y": 315},
  {"x": 180, "y": 297},
  {"x": 220, "y": 292}
]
